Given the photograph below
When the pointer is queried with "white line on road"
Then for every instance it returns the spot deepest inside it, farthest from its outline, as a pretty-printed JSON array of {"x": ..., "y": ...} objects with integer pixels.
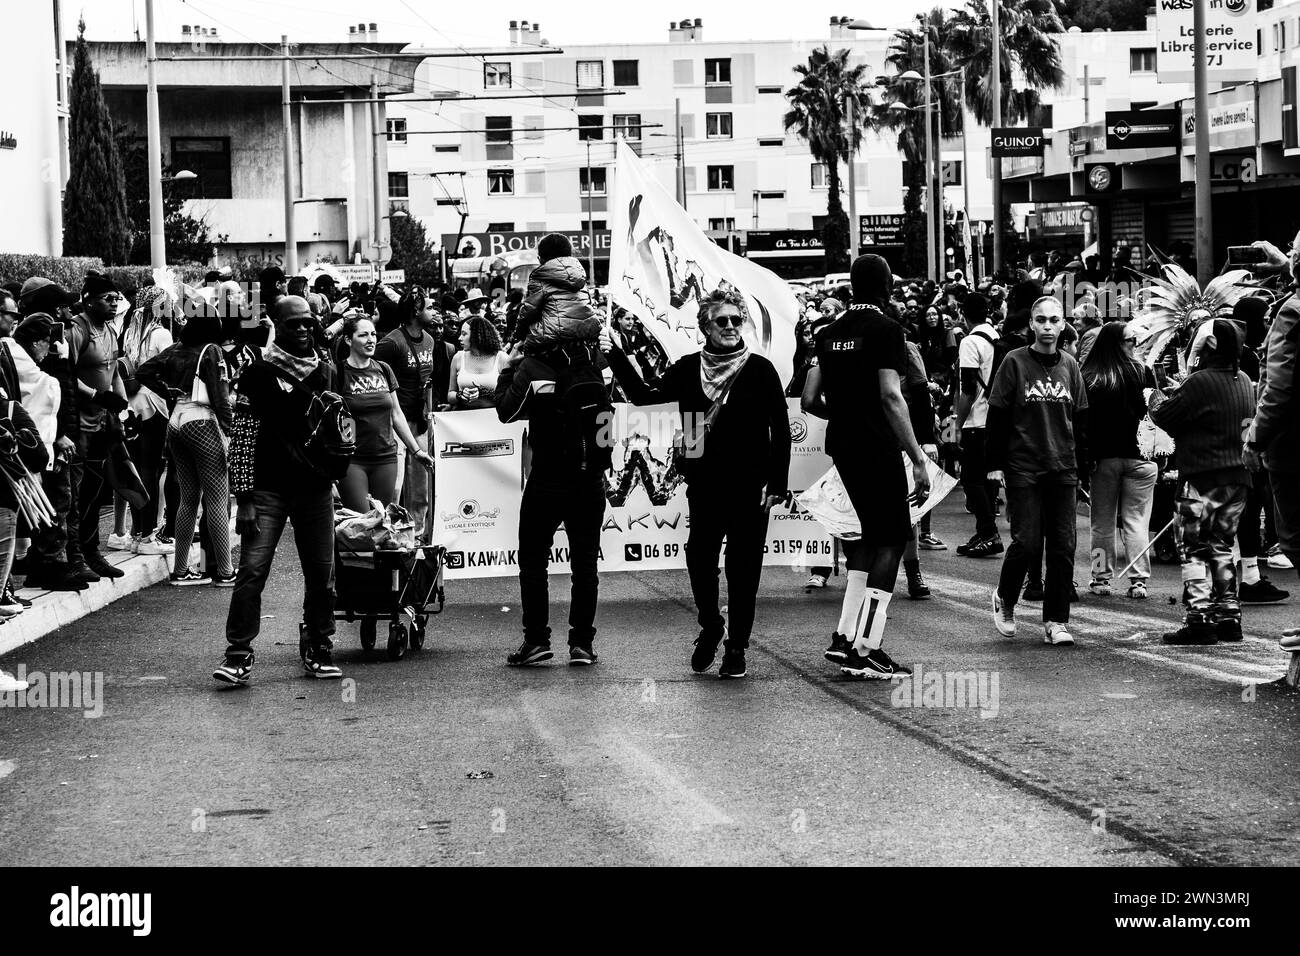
[{"x": 6, "y": 768}]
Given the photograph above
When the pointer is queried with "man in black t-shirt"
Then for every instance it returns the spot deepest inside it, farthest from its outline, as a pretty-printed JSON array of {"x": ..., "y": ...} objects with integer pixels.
[{"x": 856, "y": 386}]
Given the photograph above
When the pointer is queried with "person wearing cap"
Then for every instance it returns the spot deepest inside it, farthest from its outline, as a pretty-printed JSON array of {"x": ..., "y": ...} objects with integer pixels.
[
  {"x": 857, "y": 386},
  {"x": 100, "y": 398}
]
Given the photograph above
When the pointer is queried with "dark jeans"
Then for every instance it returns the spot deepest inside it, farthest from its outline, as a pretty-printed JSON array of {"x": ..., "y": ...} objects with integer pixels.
[
  {"x": 974, "y": 480},
  {"x": 92, "y": 490},
  {"x": 579, "y": 504},
  {"x": 1286, "y": 510},
  {"x": 147, "y": 452},
  {"x": 1041, "y": 511},
  {"x": 1259, "y": 502},
  {"x": 738, "y": 517},
  {"x": 312, "y": 514}
]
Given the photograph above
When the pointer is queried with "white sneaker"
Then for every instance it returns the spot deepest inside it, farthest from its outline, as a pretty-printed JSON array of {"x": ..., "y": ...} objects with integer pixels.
[
  {"x": 1101, "y": 588},
  {"x": 151, "y": 545},
  {"x": 814, "y": 581},
  {"x": 9, "y": 683},
  {"x": 1004, "y": 618},
  {"x": 1290, "y": 640},
  {"x": 1056, "y": 633},
  {"x": 1277, "y": 559},
  {"x": 121, "y": 542}
]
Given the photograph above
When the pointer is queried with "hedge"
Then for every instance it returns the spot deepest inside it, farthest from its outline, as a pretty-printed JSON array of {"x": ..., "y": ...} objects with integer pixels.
[{"x": 70, "y": 271}]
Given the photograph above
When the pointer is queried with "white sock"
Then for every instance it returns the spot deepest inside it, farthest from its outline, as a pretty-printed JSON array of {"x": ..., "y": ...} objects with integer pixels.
[
  {"x": 870, "y": 632},
  {"x": 854, "y": 594},
  {"x": 1250, "y": 570}
]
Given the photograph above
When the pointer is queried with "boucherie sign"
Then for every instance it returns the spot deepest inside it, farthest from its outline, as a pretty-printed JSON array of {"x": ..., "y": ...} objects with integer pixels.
[{"x": 1018, "y": 141}]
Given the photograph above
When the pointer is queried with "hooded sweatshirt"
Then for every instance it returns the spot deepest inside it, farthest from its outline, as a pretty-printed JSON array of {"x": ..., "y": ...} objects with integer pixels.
[{"x": 556, "y": 307}]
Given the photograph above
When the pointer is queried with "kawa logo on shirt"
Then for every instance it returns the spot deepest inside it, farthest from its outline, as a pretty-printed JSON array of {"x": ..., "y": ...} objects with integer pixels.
[{"x": 1046, "y": 391}]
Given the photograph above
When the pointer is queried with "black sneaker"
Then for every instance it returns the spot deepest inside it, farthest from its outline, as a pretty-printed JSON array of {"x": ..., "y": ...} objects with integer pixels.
[
  {"x": 223, "y": 580},
  {"x": 529, "y": 654},
  {"x": 234, "y": 671},
  {"x": 100, "y": 566},
  {"x": 580, "y": 656},
  {"x": 1262, "y": 591},
  {"x": 963, "y": 548},
  {"x": 319, "y": 663},
  {"x": 1228, "y": 630},
  {"x": 733, "y": 662},
  {"x": 986, "y": 548},
  {"x": 839, "y": 649},
  {"x": 1193, "y": 632},
  {"x": 187, "y": 578},
  {"x": 11, "y": 595},
  {"x": 874, "y": 665},
  {"x": 706, "y": 650},
  {"x": 1033, "y": 591},
  {"x": 83, "y": 572}
]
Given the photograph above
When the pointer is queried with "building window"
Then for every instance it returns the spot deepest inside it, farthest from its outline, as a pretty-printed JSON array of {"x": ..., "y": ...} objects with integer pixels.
[
  {"x": 500, "y": 129},
  {"x": 717, "y": 125},
  {"x": 399, "y": 205},
  {"x": 628, "y": 125},
  {"x": 398, "y": 186},
  {"x": 396, "y": 129},
  {"x": 1142, "y": 60},
  {"x": 717, "y": 71},
  {"x": 590, "y": 127},
  {"x": 722, "y": 225},
  {"x": 819, "y": 176},
  {"x": 627, "y": 73},
  {"x": 496, "y": 75},
  {"x": 722, "y": 178},
  {"x": 591, "y": 74},
  {"x": 447, "y": 149},
  {"x": 773, "y": 194},
  {"x": 597, "y": 186},
  {"x": 769, "y": 89},
  {"x": 773, "y": 141},
  {"x": 209, "y": 159},
  {"x": 501, "y": 182}
]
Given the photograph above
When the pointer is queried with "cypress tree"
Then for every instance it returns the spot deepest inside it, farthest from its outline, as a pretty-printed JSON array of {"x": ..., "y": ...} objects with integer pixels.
[{"x": 95, "y": 217}]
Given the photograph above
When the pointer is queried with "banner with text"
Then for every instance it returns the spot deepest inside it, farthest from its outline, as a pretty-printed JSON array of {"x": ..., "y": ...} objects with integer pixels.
[
  {"x": 482, "y": 464},
  {"x": 1230, "y": 40}
]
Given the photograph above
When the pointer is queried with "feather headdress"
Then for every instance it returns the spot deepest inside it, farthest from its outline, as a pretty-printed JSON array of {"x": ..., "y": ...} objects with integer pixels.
[{"x": 1175, "y": 304}]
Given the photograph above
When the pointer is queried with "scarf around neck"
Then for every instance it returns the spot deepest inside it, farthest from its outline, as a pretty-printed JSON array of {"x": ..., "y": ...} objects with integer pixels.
[
  {"x": 718, "y": 370},
  {"x": 298, "y": 366}
]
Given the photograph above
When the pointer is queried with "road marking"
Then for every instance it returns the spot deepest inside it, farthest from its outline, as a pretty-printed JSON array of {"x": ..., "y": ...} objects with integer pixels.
[{"x": 6, "y": 768}]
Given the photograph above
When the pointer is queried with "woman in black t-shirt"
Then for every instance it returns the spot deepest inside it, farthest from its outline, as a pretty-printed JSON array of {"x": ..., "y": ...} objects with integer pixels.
[{"x": 369, "y": 388}]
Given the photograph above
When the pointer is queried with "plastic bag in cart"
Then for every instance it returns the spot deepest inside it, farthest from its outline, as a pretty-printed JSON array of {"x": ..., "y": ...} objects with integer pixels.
[
  {"x": 828, "y": 502},
  {"x": 379, "y": 529}
]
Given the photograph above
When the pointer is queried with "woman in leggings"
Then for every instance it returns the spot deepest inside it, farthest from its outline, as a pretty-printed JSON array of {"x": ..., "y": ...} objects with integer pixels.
[
  {"x": 369, "y": 388},
  {"x": 192, "y": 375}
]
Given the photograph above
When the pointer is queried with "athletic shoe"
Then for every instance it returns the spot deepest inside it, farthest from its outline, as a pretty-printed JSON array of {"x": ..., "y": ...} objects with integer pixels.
[
  {"x": 529, "y": 654},
  {"x": 84, "y": 573},
  {"x": 10, "y": 684},
  {"x": 733, "y": 662},
  {"x": 11, "y": 595},
  {"x": 917, "y": 590},
  {"x": 963, "y": 548},
  {"x": 814, "y": 581},
  {"x": 928, "y": 542},
  {"x": 151, "y": 545},
  {"x": 1290, "y": 639},
  {"x": 234, "y": 671},
  {"x": 55, "y": 576},
  {"x": 1228, "y": 630},
  {"x": 1101, "y": 588},
  {"x": 1055, "y": 632},
  {"x": 223, "y": 580},
  {"x": 165, "y": 539},
  {"x": 1004, "y": 618},
  {"x": 10, "y": 608},
  {"x": 1276, "y": 559},
  {"x": 1262, "y": 591},
  {"x": 1033, "y": 591},
  {"x": 839, "y": 649},
  {"x": 873, "y": 665},
  {"x": 1138, "y": 590},
  {"x": 187, "y": 578},
  {"x": 1193, "y": 632},
  {"x": 101, "y": 567},
  {"x": 319, "y": 663},
  {"x": 986, "y": 548},
  {"x": 580, "y": 656},
  {"x": 121, "y": 542},
  {"x": 706, "y": 649}
]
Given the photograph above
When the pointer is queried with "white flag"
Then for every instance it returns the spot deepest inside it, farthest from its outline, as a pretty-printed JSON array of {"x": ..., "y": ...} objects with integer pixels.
[{"x": 661, "y": 264}]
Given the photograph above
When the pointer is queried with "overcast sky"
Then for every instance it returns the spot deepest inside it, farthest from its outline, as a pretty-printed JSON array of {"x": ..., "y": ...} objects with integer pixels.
[{"x": 465, "y": 22}]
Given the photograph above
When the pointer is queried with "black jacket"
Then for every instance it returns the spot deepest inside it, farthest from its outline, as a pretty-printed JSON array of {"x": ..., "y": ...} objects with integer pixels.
[
  {"x": 749, "y": 444},
  {"x": 517, "y": 399}
]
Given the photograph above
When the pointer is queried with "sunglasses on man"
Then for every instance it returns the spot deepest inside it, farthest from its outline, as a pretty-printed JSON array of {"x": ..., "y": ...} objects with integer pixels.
[
  {"x": 293, "y": 325},
  {"x": 728, "y": 321}
]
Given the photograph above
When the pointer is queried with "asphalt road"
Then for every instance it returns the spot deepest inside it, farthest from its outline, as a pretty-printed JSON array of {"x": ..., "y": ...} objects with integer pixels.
[{"x": 1117, "y": 751}]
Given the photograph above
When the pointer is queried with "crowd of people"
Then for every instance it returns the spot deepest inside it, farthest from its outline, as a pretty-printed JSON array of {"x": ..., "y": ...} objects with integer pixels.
[{"x": 169, "y": 406}]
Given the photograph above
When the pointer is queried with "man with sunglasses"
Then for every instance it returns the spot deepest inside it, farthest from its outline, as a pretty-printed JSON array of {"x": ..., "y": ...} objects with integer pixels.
[
  {"x": 9, "y": 314},
  {"x": 100, "y": 396}
]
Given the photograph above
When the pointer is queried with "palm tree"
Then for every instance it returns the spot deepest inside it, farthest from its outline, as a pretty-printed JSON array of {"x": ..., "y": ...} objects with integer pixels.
[
  {"x": 818, "y": 104},
  {"x": 1029, "y": 53},
  {"x": 907, "y": 53}
]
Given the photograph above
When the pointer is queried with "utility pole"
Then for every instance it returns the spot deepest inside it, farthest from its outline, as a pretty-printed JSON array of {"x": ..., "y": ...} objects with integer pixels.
[
  {"x": 157, "y": 240},
  {"x": 936, "y": 171},
  {"x": 290, "y": 239},
  {"x": 965, "y": 175},
  {"x": 995, "y": 77},
  {"x": 930, "y": 217},
  {"x": 591, "y": 228},
  {"x": 1087, "y": 96},
  {"x": 681, "y": 158},
  {"x": 854, "y": 237},
  {"x": 380, "y": 186},
  {"x": 1204, "y": 210}
]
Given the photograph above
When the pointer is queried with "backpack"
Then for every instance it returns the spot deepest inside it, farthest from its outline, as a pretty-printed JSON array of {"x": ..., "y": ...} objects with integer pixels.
[
  {"x": 1000, "y": 351},
  {"x": 584, "y": 414},
  {"x": 331, "y": 433}
]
